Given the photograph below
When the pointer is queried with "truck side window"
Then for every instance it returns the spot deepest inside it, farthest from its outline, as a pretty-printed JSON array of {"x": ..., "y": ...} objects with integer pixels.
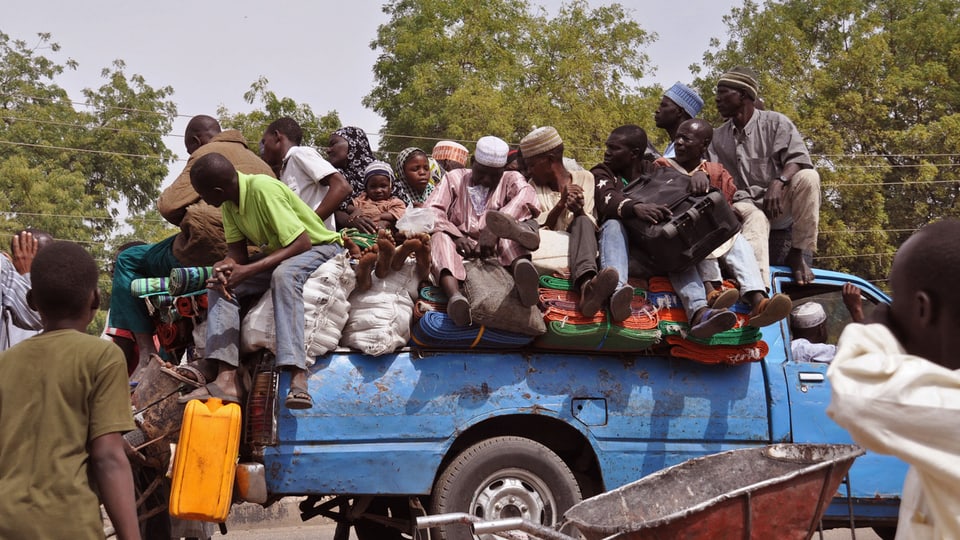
[{"x": 830, "y": 297}]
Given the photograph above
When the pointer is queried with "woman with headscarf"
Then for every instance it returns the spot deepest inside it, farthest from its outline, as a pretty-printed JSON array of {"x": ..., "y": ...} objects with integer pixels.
[
  {"x": 349, "y": 151},
  {"x": 417, "y": 174}
]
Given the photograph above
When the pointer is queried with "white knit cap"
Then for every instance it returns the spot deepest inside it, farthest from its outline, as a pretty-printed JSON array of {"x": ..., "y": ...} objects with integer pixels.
[
  {"x": 491, "y": 151},
  {"x": 807, "y": 315}
]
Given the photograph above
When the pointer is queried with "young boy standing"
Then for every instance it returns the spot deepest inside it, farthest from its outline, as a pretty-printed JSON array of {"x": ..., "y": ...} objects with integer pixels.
[
  {"x": 896, "y": 385},
  {"x": 261, "y": 211},
  {"x": 64, "y": 403}
]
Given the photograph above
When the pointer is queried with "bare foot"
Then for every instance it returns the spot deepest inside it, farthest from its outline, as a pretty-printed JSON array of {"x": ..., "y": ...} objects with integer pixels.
[
  {"x": 352, "y": 248},
  {"x": 802, "y": 274},
  {"x": 364, "y": 268},
  {"x": 385, "y": 251},
  {"x": 400, "y": 257},
  {"x": 423, "y": 257}
]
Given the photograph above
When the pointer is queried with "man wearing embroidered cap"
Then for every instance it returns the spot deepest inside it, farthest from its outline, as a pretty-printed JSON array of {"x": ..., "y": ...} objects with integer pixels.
[
  {"x": 465, "y": 202},
  {"x": 566, "y": 202},
  {"x": 450, "y": 155},
  {"x": 808, "y": 327},
  {"x": 777, "y": 185},
  {"x": 678, "y": 104}
]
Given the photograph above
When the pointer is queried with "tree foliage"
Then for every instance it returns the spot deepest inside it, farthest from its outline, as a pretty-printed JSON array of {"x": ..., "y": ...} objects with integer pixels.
[
  {"x": 67, "y": 167},
  {"x": 874, "y": 86},
  {"x": 316, "y": 129},
  {"x": 449, "y": 70}
]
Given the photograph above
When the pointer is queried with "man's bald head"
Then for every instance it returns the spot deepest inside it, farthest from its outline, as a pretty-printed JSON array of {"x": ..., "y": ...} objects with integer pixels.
[
  {"x": 200, "y": 130},
  {"x": 700, "y": 127}
]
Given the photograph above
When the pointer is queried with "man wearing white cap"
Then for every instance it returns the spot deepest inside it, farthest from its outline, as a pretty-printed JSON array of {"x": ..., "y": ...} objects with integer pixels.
[
  {"x": 464, "y": 202},
  {"x": 678, "y": 104},
  {"x": 808, "y": 326}
]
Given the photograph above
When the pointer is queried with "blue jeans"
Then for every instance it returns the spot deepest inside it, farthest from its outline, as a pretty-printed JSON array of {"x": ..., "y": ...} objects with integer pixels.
[
  {"x": 285, "y": 283},
  {"x": 740, "y": 259},
  {"x": 614, "y": 252},
  {"x": 689, "y": 288}
]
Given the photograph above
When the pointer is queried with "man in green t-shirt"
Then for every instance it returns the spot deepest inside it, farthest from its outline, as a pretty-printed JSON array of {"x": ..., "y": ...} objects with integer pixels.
[
  {"x": 261, "y": 211},
  {"x": 64, "y": 404}
]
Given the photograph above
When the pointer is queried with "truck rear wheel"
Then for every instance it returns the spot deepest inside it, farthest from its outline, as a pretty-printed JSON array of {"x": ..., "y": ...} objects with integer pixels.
[{"x": 504, "y": 477}]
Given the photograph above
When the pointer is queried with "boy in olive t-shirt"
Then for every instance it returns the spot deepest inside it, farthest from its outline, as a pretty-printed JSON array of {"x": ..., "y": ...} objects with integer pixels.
[{"x": 64, "y": 403}]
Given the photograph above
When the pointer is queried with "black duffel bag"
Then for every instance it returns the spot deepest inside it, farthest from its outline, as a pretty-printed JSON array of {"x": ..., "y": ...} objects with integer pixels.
[{"x": 700, "y": 222}]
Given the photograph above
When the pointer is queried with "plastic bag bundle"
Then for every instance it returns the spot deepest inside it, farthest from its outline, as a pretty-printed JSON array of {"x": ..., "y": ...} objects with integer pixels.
[{"x": 379, "y": 320}]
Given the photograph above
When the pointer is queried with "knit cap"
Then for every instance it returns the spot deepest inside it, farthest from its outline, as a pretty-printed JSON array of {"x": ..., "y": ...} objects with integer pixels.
[
  {"x": 686, "y": 98},
  {"x": 491, "y": 151},
  {"x": 375, "y": 168},
  {"x": 452, "y": 151},
  {"x": 742, "y": 78},
  {"x": 541, "y": 140},
  {"x": 807, "y": 315}
]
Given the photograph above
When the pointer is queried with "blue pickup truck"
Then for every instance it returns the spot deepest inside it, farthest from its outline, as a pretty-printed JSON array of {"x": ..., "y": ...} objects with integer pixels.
[{"x": 528, "y": 433}]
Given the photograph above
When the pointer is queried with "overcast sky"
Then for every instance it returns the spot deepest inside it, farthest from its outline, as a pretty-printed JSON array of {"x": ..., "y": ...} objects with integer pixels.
[{"x": 313, "y": 51}]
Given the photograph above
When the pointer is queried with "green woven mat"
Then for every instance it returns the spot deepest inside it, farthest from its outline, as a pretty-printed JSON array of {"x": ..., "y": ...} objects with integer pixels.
[{"x": 597, "y": 336}]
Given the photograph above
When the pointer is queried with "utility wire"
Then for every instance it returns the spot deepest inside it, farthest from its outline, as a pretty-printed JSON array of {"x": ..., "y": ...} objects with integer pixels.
[
  {"x": 83, "y": 150},
  {"x": 84, "y": 127}
]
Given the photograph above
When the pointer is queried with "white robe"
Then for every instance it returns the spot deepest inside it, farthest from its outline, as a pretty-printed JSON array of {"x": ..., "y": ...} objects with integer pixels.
[{"x": 895, "y": 403}]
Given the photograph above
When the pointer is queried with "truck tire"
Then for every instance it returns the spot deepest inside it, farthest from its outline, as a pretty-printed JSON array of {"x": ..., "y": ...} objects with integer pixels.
[{"x": 504, "y": 477}]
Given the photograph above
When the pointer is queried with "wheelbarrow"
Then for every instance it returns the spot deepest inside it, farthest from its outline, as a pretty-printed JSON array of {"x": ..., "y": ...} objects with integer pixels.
[{"x": 778, "y": 491}]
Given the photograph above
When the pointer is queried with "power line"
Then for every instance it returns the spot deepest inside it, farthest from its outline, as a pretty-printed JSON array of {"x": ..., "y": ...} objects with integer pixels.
[
  {"x": 88, "y": 151},
  {"x": 141, "y": 219},
  {"x": 84, "y": 127},
  {"x": 85, "y": 104}
]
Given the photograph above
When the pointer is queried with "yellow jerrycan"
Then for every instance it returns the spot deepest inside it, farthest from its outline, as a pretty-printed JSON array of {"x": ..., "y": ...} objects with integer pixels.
[{"x": 205, "y": 461}]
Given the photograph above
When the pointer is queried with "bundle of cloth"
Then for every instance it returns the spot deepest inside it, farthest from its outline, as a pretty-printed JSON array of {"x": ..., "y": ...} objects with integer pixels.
[
  {"x": 433, "y": 328},
  {"x": 176, "y": 302},
  {"x": 740, "y": 344},
  {"x": 568, "y": 329}
]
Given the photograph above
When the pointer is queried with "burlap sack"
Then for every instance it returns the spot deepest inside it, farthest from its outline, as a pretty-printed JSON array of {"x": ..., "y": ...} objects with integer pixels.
[{"x": 494, "y": 302}]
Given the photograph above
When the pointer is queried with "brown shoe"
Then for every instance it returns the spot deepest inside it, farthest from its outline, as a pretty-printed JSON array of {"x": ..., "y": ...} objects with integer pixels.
[
  {"x": 722, "y": 299},
  {"x": 770, "y": 310}
]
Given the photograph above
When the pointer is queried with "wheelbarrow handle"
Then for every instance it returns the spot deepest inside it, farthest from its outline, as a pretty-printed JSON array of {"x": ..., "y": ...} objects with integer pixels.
[{"x": 518, "y": 524}]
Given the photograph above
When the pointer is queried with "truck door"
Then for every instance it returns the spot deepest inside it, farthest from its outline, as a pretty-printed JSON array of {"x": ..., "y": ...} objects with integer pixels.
[{"x": 873, "y": 476}]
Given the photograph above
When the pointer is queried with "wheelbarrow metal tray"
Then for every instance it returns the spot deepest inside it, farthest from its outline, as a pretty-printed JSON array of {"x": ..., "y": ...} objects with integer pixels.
[{"x": 778, "y": 491}]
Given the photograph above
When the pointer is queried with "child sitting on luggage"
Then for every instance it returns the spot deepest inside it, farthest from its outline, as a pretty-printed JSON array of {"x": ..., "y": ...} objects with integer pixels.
[
  {"x": 417, "y": 174},
  {"x": 377, "y": 202}
]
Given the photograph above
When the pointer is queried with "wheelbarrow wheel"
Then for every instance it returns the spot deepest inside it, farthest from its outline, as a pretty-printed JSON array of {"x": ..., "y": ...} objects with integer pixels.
[{"x": 504, "y": 477}]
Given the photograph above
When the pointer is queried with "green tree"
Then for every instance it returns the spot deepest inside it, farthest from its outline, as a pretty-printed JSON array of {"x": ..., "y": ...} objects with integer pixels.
[
  {"x": 874, "y": 86},
  {"x": 67, "y": 167},
  {"x": 316, "y": 129},
  {"x": 71, "y": 168},
  {"x": 449, "y": 70}
]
